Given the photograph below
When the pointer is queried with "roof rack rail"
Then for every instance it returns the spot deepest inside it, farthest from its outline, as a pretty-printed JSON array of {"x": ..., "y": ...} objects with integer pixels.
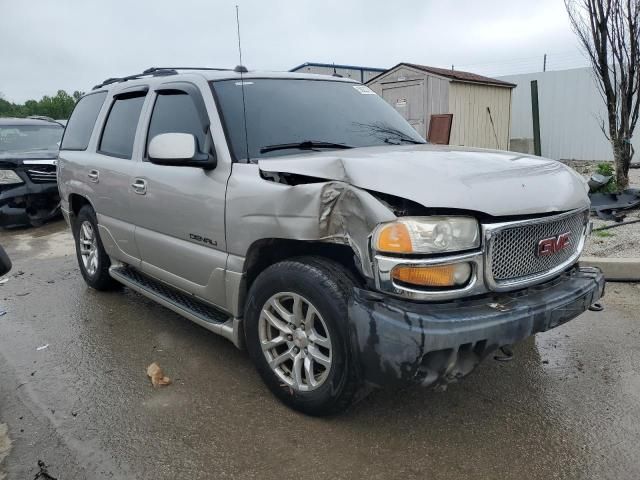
[
  {"x": 216, "y": 69},
  {"x": 44, "y": 118},
  {"x": 156, "y": 72}
]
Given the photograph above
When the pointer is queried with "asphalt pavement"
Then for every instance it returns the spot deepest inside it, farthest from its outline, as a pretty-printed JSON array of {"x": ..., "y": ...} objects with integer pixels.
[{"x": 75, "y": 397}]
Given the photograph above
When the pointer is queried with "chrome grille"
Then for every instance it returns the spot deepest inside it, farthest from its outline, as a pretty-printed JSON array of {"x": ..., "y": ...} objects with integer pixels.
[
  {"x": 42, "y": 173},
  {"x": 513, "y": 250}
]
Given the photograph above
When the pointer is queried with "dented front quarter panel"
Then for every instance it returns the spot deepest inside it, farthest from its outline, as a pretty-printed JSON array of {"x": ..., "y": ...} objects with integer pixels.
[{"x": 330, "y": 211}]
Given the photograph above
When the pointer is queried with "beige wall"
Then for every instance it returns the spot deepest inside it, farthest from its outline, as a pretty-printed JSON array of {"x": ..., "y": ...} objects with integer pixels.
[{"x": 471, "y": 123}]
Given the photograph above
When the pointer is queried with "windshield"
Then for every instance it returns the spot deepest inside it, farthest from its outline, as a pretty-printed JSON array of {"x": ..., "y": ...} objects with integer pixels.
[
  {"x": 313, "y": 114},
  {"x": 29, "y": 138}
]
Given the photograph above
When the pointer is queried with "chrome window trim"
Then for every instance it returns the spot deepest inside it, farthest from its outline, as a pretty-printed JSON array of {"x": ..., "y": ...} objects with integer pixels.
[
  {"x": 384, "y": 282},
  {"x": 490, "y": 230}
]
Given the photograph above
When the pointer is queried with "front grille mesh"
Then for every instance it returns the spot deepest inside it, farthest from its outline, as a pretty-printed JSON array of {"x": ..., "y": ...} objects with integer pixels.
[
  {"x": 514, "y": 250},
  {"x": 42, "y": 173}
]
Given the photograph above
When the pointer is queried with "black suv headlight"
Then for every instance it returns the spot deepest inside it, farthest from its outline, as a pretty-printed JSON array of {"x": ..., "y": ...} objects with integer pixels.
[{"x": 9, "y": 177}]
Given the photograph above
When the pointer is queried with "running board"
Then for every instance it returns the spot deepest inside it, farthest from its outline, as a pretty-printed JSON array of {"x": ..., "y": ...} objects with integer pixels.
[{"x": 182, "y": 303}]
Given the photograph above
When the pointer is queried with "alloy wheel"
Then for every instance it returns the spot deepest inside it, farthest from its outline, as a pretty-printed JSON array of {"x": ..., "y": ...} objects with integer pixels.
[
  {"x": 88, "y": 248},
  {"x": 295, "y": 341}
]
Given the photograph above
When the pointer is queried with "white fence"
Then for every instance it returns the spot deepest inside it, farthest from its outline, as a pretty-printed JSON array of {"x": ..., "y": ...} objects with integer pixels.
[{"x": 571, "y": 110}]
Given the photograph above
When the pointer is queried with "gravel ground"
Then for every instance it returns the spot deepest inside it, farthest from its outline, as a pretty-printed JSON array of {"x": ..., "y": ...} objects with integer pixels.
[{"x": 619, "y": 242}]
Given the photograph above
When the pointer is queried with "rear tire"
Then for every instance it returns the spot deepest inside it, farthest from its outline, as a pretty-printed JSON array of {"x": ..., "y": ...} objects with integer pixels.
[
  {"x": 296, "y": 332},
  {"x": 93, "y": 261}
]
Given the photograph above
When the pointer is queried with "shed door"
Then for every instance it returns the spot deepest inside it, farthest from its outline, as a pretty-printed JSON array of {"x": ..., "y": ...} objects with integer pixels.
[{"x": 408, "y": 99}]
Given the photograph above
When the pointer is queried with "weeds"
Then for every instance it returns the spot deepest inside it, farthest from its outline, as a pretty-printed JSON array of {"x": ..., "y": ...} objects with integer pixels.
[
  {"x": 603, "y": 233},
  {"x": 607, "y": 170}
]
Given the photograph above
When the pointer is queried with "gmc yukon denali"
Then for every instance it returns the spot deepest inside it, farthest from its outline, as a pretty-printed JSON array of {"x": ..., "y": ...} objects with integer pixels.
[{"x": 301, "y": 217}]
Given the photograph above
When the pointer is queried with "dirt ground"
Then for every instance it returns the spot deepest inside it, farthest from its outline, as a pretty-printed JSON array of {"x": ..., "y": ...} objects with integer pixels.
[
  {"x": 75, "y": 396},
  {"x": 618, "y": 242}
]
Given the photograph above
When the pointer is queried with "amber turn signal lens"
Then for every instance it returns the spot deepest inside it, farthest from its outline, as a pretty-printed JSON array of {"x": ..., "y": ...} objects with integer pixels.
[
  {"x": 453, "y": 275},
  {"x": 394, "y": 238}
]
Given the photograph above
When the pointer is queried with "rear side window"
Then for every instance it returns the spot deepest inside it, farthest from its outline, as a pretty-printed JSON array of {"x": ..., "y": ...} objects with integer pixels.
[
  {"x": 120, "y": 128},
  {"x": 82, "y": 121},
  {"x": 176, "y": 113}
]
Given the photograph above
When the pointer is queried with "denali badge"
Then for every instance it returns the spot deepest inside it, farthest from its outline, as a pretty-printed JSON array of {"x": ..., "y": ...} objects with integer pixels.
[
  {"x": 200, "y": 238},
  {"x": 552, "y": 245}
]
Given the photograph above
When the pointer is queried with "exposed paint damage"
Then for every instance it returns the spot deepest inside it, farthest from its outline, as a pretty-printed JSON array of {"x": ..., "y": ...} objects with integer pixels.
[{"x": 401, "y": 342}]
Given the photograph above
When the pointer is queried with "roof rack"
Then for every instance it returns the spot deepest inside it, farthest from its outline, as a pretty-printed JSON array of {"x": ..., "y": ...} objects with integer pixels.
[{"x": 156, "y": 72}]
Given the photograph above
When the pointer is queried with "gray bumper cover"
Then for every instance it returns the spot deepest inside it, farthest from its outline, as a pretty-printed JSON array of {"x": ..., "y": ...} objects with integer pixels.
[{"x": 401, "y": 342}]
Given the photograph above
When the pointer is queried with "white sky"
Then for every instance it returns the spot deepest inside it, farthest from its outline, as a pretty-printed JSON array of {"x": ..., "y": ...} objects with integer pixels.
[{"x": 46, "y": 45}]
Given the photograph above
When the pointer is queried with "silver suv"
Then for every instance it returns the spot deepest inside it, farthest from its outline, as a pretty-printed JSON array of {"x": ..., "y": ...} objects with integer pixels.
[{"x": 303, "y": 218}]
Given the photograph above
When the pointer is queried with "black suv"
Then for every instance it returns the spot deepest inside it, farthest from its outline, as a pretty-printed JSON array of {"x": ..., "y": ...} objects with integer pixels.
[{"x": 28, "y": 187}]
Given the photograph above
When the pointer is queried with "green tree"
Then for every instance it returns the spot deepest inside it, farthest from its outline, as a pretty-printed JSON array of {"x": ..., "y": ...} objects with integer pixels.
[{"x": 58, "y": 106}]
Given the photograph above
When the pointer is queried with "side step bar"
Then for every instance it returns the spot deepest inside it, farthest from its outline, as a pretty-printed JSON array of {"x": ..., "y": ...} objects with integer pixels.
[{"x": 182, "y": 303}]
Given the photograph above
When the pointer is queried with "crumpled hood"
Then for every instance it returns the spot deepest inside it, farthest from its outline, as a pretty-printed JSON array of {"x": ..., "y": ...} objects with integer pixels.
[{"x": 493, "y": 182}]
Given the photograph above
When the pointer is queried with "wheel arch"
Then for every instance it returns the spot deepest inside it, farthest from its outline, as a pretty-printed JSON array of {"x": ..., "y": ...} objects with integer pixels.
[
  {"x": 76, "y": 202},
  {"x": 266, "y": 252}
]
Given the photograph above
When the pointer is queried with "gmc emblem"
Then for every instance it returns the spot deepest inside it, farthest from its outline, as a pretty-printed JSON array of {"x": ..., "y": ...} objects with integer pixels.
[{"x": 549, "y": 246}]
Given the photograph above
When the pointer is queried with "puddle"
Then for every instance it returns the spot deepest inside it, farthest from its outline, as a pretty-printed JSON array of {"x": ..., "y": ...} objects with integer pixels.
[{"x": 50, "y": 241}]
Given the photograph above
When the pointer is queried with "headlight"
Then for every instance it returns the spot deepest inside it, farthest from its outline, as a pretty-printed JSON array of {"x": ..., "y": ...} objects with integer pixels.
[
  {"x": 427, "y": 235},
  {"x": 8, "y": 177}
]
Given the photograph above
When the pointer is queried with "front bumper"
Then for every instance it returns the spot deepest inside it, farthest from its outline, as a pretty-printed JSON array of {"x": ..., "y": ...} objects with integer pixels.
[
  {"x": 402, "y": 342},
  {"x": 28, "y": 203}
]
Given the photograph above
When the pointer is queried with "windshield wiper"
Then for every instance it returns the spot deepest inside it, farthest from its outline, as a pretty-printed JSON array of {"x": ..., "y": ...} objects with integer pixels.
[
  {"x": 306, "y": 145},
  {"x": 398, "y": 140}
]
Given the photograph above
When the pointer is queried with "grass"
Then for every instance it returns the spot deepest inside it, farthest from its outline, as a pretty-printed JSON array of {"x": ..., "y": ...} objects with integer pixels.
[{"x": 603, "y": 233}]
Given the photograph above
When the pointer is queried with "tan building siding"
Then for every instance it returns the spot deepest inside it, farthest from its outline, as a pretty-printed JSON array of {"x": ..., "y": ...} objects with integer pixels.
[
  {"x": 414, "y": 95},
  {"x": 471, "y": 123}
]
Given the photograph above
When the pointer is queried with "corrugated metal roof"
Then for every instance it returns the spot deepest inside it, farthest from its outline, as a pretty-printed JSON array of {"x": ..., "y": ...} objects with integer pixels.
[
  {"x": 335, "y": 65},
  {"x": 455, "y": 75}
]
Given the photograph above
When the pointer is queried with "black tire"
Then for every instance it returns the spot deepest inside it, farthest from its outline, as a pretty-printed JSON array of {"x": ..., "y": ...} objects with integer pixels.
[
  {"x": 100, "y": 279},
  {"x": 328, "y": 287}
]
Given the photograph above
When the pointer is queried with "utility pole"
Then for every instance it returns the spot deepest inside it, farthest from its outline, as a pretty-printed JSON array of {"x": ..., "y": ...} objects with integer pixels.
[
  {"x": 544, "y": 63},
  {"x": 536, "y": 118}
]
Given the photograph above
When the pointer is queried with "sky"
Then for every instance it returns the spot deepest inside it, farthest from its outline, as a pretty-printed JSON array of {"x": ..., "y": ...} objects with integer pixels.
[{"x": 47, "y": 45}]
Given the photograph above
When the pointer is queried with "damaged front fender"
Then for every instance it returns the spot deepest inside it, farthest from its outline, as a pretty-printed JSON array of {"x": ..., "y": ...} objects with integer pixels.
[{"x": 320, "y": 210}]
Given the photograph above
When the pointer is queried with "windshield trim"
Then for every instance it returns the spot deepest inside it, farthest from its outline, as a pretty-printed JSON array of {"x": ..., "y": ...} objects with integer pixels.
[{"x": 225, "y": 129}]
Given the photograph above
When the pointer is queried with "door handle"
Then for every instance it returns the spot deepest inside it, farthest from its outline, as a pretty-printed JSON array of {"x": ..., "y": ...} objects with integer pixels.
[
  {"x": 139, "y": 186},
  {"x": 94, "y": 176}
]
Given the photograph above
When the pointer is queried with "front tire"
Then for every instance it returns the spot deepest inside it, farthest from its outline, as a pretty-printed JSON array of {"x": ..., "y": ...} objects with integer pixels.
[
  {"x": 93, "y": 260},
  {"x": 297, "y": 334}
]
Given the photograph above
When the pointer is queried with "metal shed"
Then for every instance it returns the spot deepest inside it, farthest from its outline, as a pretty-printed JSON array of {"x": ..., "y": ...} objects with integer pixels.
[
  {"x": 481, "y": 106},
  {"x": 361, "y": 74}
]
